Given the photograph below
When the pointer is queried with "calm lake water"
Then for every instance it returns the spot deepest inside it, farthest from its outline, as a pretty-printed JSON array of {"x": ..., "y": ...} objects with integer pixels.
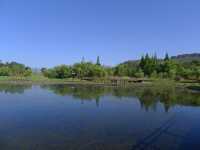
[{"x": 64, "y": 117}]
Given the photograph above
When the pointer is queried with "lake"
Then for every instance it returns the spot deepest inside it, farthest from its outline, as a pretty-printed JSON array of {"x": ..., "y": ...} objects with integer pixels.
[{"x": 72, "y": 117}]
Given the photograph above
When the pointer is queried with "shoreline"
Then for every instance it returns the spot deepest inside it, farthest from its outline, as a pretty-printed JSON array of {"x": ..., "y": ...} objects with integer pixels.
[
  {"x": 185, "y": 85},
  {"x": 49, "y": 82}
]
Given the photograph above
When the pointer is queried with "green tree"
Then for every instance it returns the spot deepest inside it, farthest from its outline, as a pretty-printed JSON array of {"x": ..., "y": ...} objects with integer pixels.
[
  {"x": 149, "y": 65},
  {"x": 27, "y": 72},
  {"x": 4, "y": 71},
  {"x": 98, "y": 61},
  {"x": 62, "y": 71},
  {"x": 166, "y": 57},
  {"x": 139, "y": 73},
  {"x": 142, "y": 62}
]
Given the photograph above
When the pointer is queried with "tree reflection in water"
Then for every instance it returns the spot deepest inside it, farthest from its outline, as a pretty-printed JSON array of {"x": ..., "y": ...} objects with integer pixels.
[
  {"x": 148, "y": 97},
  {"x": 14, "y": 88}
]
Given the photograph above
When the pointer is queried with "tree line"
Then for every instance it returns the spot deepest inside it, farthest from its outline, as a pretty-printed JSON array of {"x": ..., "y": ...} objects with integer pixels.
[
  {"x": 78, "y": 70},
  {"x": 14, "y": 69},
  {"x": 148, "y": 66}
]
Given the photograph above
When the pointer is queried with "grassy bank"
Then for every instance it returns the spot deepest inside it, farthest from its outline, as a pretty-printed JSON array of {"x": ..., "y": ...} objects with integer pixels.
[
  {"x": 37, "y": 79},
  {"x": 40, "y": 79}
]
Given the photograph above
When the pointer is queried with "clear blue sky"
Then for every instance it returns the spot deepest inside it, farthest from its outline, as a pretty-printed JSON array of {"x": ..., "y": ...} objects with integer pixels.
[{"x": 51, "y": 32}]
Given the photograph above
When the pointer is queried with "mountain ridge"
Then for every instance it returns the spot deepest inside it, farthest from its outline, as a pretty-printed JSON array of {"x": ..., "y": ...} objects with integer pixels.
[{"x": 180, "y": 58}]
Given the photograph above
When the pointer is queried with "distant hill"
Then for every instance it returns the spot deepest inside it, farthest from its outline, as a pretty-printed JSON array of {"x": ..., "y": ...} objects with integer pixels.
[
  {"x": 131, "y": 63},
  {"x": 187, "y": 57},
  {"x": 183, "y": 58}
]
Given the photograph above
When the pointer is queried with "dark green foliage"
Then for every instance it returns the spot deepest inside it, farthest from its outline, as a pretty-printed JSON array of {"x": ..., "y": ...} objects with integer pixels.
[
  {"x": 166, "y": 57},
  {"x": 4, "y": 71},
  {"x": 27, "y": 72},
  {"x": 148, "y": 66},
  {"x": 157, "y": 68},
  {"x": 43, "y": 70},
  {"x": 98, "y": 61},
  {"x": 61, "y": 72}
]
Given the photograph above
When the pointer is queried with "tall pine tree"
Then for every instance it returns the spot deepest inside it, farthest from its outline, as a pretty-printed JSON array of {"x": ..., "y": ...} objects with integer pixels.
[
  {"x": 98, "y": 61},
  {"x": 166, "y": 57}
]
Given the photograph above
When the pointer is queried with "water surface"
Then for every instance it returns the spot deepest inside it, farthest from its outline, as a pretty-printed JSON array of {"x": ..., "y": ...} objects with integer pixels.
[{"x": 68, "y": 117}]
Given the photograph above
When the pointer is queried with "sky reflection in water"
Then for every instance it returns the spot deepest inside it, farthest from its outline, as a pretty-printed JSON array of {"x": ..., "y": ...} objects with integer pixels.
[{"x": 103, "y": 118}]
